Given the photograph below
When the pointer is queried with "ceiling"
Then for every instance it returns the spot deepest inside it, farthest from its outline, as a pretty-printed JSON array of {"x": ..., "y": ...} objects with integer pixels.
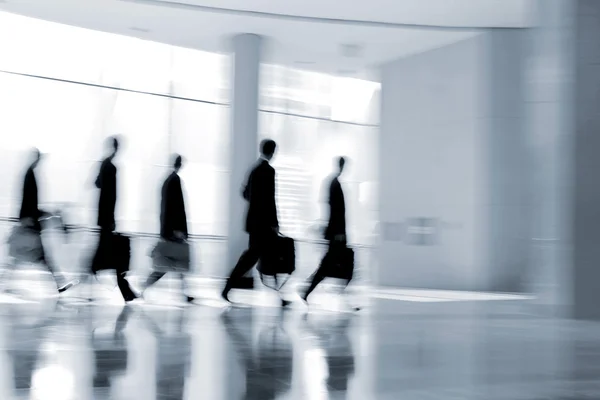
[{"x": 310, "y": 34}]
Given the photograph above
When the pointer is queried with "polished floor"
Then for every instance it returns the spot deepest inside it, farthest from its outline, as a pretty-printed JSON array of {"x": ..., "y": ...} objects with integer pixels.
[{"x": 402, "y": 345}]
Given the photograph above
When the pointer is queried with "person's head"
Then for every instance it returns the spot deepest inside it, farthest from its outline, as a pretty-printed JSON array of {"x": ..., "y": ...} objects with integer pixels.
[
  {"x": 177, "y": 162},
  {"x": 340, "y": 163},
  {"x": 267, "y": 148},
  {"x": 35, "y": 157},
  {"x": 112, "y": 146}
]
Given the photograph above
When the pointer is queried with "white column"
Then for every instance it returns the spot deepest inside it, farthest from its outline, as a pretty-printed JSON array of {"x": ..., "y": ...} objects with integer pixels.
[
  {"x": 244, "y": 136},
  {"x": 551, "y": 133}
]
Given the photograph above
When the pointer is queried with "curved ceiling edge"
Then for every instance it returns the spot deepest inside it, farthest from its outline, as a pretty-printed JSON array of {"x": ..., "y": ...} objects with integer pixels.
[{"x": 308, "y": 18}]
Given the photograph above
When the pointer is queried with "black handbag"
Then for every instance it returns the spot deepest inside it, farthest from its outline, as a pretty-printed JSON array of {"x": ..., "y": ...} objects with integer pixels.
[
  {"x": 281, "y": 260},
  {"x": 245, "y": 282},
  {"x": 341, "y": 263},
  {"x": 113, "y": 252}
]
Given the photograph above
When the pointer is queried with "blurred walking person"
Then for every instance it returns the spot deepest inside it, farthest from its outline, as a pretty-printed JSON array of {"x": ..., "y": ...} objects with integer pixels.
[
  {"x": 113, "y": 250},
  {"x": 338, "y": 262},
  {"x": 172, "y": 253},
  {"x": 25, "y": 243},
  {"x": 262, "y": 223}
]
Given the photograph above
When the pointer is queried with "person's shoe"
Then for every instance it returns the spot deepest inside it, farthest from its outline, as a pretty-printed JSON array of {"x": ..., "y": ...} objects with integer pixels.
[
  {"x": 131, "y": 296},
  {"x": 304, "y": 296},
  {"x": 68, "y": 285},
  {"x": 285, "y": 303},
  {"x": 225, "y": 296}
]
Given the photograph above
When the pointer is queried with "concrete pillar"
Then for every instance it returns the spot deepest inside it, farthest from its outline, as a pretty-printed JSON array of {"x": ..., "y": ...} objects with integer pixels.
[
  {"x": 549, "y": 105},
  {"x": 244, "y": 135}
]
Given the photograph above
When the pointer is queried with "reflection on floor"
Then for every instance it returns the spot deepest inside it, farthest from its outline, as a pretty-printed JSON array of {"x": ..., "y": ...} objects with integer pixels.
[{"x": 472, "y": 346}]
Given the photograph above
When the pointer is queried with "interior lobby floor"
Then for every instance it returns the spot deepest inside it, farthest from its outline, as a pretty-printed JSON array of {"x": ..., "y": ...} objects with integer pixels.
[{"x": 404, "y": 344}]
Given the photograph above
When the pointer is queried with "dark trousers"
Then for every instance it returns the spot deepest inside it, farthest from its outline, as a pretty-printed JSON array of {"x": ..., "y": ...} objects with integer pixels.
[
  {"x": 43, "y": 261},
  {"x": 334, "y": 250},
  {"x": 102, "y": 260},
  {"x": 155, "y": 276},
  {"x": 258, "y": 245}
]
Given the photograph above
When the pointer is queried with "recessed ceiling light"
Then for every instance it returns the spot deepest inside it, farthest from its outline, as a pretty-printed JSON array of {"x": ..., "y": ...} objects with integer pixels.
[
  {"x": 346, "y": 72},
  {"x": 351, "y": 50},
  {"x": 135, "y": 28}
]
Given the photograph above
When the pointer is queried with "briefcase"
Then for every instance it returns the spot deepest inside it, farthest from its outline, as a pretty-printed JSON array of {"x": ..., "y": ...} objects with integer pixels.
[
  {"x": 25, "y": 245},
  {"x": 244, "y": 283},
  {"x": 171, "y": 256},
  {"x": 113, "y": 252},
  {"x": 279, "y": 260},
  {"x": 342, "y": 264}
]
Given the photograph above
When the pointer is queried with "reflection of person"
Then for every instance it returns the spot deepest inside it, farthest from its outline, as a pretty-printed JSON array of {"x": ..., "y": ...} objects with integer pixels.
[
  {"x": 339, "y": 355},
  {"x": 173, "y": 356},
  {"x": 269, "y": 372},
  {"x": 173, "y": 219},
  {"x": 30, "y": 217},
  {"x": 335, "y": 232},
  {"x": 107, "y": 183},
  {"x": 110, "y": 352},
  {"x": 261, "y": 221},
  {"x": 26, "y": 331}
]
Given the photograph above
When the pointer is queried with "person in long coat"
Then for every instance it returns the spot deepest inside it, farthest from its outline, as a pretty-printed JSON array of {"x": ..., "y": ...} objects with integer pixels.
[
  {"x": 30, "y": 217},
  {"x": 173, "y": 230}
]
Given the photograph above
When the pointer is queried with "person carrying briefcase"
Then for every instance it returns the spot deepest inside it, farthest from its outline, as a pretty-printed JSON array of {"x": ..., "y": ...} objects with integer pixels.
[
  {"x": 172, "y": 252},
  {"x": 338, "y": 262}
]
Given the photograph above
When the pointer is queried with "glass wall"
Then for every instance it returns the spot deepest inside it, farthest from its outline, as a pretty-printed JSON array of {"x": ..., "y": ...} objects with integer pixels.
[
  {"x": 316, "y": 118},
  {"x": 65, "y": 89}
]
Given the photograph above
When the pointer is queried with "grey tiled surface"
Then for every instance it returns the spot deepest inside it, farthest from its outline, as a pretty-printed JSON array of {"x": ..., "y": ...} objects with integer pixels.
[{"x": 162, "y": 349}]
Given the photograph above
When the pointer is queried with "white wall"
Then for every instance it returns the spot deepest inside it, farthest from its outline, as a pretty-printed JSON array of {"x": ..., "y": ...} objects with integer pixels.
[{"x": 451, "y": 149}]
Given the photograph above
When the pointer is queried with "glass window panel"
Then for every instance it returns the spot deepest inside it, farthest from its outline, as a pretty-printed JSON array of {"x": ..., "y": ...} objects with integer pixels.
[
  {"x": 38, "y": 47},
  {"x": 143, "y": 123},
  {"x": 70, "y": 121},
  {"x": 57, "y": 118},
  {"x": 32, "y": 46},
  {"x": 317, "y": 95},
  {"x": 200, "y": 134},
  {"x": 305, "y": 159},
  {"x": 200, "y": 75}
]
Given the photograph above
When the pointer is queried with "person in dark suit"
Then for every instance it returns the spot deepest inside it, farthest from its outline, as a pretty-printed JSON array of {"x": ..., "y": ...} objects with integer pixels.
[
  {"x": 30, "y": 216},
  {"x": 107, "y": 183},
  {"x": 335, "y": 232},
  {"x": 262, "y": 224},
  {"x": 173, "y": 218}
]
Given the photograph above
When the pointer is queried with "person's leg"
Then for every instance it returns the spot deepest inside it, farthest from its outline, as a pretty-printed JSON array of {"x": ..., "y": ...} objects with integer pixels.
[
  {"x": 320, "y": 274},
  {"x": 121, "y": 270},
  {"x": 61, "y": 282},
  {"x": 6, "y": 274},
  {"x": 185, "y": 288},
  {"x": 247, "y": 260},
  {"x": 126, "y": 291},
  {"x": 318, "y": 277},
  {"x": 153, "y": 278}
]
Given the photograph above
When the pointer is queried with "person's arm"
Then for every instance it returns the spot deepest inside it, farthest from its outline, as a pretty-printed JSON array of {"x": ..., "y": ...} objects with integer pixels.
[
  {"x": 164, "y": 205},
  {"x": 324, "y": 200},
  {"x": 98, "y": 181},
  {"x": 181, "y": 203},
  {"x": 246, "y": 191},
  {"x": 272, "y": 193}
]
